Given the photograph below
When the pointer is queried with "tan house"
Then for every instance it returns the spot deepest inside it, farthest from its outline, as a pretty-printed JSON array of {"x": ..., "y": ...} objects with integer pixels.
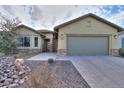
[{"x": 88, "y": 35}]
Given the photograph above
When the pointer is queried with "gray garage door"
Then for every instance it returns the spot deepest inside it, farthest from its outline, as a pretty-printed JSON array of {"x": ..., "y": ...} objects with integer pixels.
[{"x": 87, "y": 46}]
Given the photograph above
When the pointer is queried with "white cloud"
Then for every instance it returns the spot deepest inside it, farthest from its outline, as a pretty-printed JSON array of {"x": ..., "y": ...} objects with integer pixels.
[
  {"x": 47, "y": 16},
  {"x": 118, "y": 18}
]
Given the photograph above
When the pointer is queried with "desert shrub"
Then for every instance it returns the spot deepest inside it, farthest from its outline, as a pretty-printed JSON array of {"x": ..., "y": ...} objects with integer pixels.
[
  {"x": 7, "y": 42},
  {"x": 8, "y": 34},
  {"x": 50, "y": 60},
  {"x": 121, "y": 51}
]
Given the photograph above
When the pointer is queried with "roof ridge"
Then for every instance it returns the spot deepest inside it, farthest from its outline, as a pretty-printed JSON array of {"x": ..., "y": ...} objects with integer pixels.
[{"x": 87, "y": 15}]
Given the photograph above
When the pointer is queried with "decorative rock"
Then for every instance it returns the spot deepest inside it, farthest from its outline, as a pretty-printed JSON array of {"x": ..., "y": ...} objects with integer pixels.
[
  {"x": 29, "y": 70},
  {"x": 12, "y": 73},
  {"x": 16, "y": 80},
  {"x": 2, "y": 80},
  {"x": 7, "y": 71},
  {"x": 15, "y": 76},
  {"x": 21, "y": 72},
  {"x": 4, "y": 87},
  {"x": 7, "y": 83},
  {"x": 9, "y": 80},
  {"x": 21, "y": 81},
  {"x": 25, "y": 77},
  {"x": 19, "y": 62},
  {"x": 13, "y": 85}
]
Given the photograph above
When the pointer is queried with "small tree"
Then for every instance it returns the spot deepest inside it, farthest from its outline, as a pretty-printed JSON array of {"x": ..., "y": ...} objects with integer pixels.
[{"x": 8, "y": 28}]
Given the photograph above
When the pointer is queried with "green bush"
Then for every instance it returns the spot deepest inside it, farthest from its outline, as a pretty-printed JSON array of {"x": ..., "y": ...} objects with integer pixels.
[
  {"x": 121, "y": 51},
  {"x": 50, "y": 60}
]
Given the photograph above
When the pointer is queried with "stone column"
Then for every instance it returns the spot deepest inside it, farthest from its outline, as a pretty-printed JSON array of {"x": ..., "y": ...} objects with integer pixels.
[
  {"x": 115, "y": 52},
  {"x": 62, "y": 52}
]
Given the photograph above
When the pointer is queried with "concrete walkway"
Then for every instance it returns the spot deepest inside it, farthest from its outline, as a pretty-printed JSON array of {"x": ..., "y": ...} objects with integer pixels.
[
  {"x": 98, "y": 71},
  {"x": 43, "y": 56},
  {"x": 46, "y": 56}
]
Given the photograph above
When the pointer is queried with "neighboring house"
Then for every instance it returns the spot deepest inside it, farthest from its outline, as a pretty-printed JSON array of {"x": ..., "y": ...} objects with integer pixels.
[
  {"x": 88, "y": 35},
  {"x": 121, "y": 39},
  {"x": 29, "y": 39},
  {"x": 48, "y": 41}
]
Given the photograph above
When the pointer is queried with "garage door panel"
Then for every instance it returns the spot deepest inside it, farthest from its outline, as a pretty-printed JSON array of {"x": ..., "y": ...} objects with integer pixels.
[{"x": 87, "y": 46}]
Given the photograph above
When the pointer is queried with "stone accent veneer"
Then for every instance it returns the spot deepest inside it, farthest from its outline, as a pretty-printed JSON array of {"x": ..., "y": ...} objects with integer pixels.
[
  {"x": 115, "y": 52},
  {"x": 50, "y": 47},
  {"x": 62, "y": 52},
  {"x": 30, "y": 50}
]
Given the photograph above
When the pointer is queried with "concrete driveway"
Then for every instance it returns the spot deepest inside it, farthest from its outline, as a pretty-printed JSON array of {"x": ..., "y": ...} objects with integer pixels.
[{"x": 101, "y": 71}]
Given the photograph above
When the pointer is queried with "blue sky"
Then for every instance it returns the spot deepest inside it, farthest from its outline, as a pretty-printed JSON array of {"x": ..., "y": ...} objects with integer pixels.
[{"x": 48, "y": 16}]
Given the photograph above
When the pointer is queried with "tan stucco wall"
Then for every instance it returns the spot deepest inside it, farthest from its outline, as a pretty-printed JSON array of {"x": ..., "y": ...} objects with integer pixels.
[
  {"x": 27, "y": 32},
  {"x": 87, "y": 26},
  {"x": 49, "y": 36}
]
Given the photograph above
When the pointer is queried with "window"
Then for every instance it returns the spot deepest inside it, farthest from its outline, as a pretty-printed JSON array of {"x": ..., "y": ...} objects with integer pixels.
[
  {"x": 36, "y": 41},
  {"x": 24, "y": 41},
  {"x": 122, "y": 42},
  {"x": 20, "y": 41}
]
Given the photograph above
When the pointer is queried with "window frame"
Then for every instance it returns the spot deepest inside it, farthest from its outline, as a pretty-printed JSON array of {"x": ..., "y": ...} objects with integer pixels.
[
  {"x": 122, "y": 42},
  {"x": 23, "y": 41},
  {"x": 36, "y": 42}
]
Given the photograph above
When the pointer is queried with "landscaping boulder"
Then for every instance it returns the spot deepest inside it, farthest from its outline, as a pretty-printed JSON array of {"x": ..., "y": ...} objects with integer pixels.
[{"x": 19, "y": 62}]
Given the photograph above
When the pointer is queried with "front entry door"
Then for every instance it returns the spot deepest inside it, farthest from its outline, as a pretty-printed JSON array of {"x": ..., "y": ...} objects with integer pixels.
[{"x": 46, "y": 44}]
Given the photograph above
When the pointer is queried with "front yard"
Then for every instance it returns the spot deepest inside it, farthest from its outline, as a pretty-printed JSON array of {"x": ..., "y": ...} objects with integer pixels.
[
  {"x": 38, "y": 74},
  {"x": 79, "y": 72}
]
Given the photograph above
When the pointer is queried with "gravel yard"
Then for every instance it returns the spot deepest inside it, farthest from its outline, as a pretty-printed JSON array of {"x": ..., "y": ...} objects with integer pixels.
[{"x": 61, "y": 74}]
